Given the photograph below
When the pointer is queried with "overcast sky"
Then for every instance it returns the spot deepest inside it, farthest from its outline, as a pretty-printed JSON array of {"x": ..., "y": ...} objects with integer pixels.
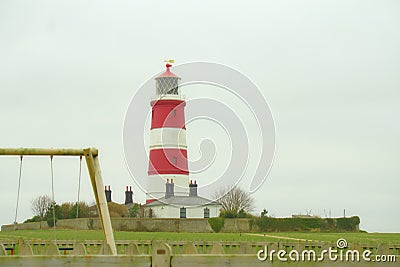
[{"x": 329, "y": 70}]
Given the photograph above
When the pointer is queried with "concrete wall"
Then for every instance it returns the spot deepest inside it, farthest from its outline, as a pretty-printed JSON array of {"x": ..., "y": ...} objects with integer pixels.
[
  {"x": 162, "y": 225},
  {"x": 123, "y": 224},
  {"x": 197, "y": 225},
  {"x": 238, "y": 226},
  {"x": 25, "y": 226}
]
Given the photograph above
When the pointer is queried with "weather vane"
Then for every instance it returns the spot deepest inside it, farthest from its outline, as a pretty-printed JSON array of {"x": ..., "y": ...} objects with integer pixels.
[{"x": 169, "y": 62}]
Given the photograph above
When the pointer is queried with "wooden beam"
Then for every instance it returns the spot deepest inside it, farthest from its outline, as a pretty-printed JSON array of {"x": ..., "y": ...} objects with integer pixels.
[
  {"x": 97, "y": 183},
  {"x": 45, "y": 152}
]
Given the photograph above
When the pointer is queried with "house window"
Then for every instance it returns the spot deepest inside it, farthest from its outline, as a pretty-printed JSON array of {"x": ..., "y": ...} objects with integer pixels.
[
  {"x": 174, "y": 160},
  {"x": 182, "y": 212},
  {"x": 206, "y": 213}
]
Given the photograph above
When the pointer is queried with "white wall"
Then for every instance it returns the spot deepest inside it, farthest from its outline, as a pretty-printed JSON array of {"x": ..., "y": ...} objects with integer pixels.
[{"x": 169, "y": 211}]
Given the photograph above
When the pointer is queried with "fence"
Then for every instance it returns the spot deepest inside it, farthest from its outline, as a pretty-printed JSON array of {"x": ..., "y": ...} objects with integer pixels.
[{"x": 171, "y": 253}]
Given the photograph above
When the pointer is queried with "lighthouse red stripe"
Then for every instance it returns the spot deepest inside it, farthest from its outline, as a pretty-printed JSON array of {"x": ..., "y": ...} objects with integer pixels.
[
  {"x": 168, "y": 113},
  {"x": 150, "y": 200},
  {"x": 168, "y": 161}
]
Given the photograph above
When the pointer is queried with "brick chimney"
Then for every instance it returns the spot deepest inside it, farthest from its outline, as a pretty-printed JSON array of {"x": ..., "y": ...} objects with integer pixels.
[
  {"x": 193, "y": 189},
  {"x": 128, "y": 195},
  {"x": 169, "y": 188},
  {"x": 107, "y": 190}
]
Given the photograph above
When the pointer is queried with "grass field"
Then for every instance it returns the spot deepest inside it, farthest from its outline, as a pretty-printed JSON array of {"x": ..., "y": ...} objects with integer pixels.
[{"x": 371, "y": 238}]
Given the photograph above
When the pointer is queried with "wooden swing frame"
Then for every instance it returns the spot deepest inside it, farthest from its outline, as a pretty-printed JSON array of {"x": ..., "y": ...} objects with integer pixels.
[{"x": 92, "y": 162}]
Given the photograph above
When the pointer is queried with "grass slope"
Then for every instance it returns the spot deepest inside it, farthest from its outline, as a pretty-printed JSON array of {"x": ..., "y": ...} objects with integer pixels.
[
  {"x": 369, "y": 238},
  {"x": 365, "y": 238}
]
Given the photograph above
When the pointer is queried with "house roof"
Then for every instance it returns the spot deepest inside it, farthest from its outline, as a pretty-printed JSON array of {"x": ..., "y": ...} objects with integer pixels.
[{"x": 183, "y": 201}]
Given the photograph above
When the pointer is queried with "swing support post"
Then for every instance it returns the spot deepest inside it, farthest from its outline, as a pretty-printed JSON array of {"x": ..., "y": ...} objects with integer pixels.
[
  {"x": 92, "y": 162},
  {"x": 93, "y": 165}
]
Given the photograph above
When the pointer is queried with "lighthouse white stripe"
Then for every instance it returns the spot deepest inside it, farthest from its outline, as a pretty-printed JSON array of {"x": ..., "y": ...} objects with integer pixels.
[
  {"x": 167, "y": 138},
  {"x": 169, "y": 97}
]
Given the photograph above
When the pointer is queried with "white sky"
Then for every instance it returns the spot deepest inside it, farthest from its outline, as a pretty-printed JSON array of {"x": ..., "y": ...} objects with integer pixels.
[{"x": 329, "y": 70}]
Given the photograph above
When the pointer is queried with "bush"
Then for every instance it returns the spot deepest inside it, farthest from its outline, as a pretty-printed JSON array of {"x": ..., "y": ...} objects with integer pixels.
[
  {"x": 241, "y": 214},
  {"x": 117, "y": 210},
  {"x": 252, "y": 223},
  {"x": 90, "y": 224},
  {"x": 228, "y": 214},
  {"x": 135, "y": 211},
  {"x": 348, "y": 224},
  {"x": 50, "y": 221},
  {"x": 50, "y": 216},
  {"x": 216, "y": 223},
  {"x": 33, "y": 219},
  {"x": 82, "y": 209},
  {"x": 307, "y": 224},
  {"x": 65, "y": 210}
]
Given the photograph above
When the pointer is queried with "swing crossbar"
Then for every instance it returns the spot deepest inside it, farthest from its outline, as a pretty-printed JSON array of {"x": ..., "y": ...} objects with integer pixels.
[{"x": 45, "y": 152}]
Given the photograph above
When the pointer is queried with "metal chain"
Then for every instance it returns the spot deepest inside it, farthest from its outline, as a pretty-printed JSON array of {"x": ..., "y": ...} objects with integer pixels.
[
  {"x": 52, "y": 198},
  {"x": 79, "y": 192},
  {"x": 19, "y": 189}
]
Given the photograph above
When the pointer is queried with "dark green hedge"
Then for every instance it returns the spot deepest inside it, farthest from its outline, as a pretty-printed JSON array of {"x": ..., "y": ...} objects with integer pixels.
[
  {"x": 269, "y": 224},
  {"x": 216, "y": 223},
  {"x": 348, "y": 224}
]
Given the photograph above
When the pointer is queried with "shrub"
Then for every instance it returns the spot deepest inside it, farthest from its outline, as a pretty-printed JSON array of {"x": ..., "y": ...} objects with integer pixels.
[
  {"x": 53, "y": 216},
  {"x": 307, "y": 224},
  {"x": 65, "y": 210},
  {"x": 228, "y": 214},
  {"x": 135, "y": 211},
  {"x": 90, "y": 224},
  {"x": 348, "y": 224},
  {"x": 117, "y": 210},
  {"x": 252, "y": 223},
  {"x": 216, "y": 223},
  {"x": 50, "y": 221},
  {"x": 81, "y": 208},
  {"x": 241, "y": 214},
  {"x": 34, "y": 219}
]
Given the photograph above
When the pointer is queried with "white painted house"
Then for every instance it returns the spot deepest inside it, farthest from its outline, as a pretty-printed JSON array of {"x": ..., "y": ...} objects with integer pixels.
[{"x": 191, "y": 206}]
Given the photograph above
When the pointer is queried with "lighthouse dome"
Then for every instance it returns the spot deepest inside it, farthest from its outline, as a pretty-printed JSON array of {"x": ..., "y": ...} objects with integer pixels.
[{"x": 167, "y": 82}]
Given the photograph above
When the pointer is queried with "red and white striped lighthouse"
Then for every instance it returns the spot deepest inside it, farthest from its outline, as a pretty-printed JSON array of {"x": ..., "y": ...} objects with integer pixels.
[{"x": 168, "y": 151}]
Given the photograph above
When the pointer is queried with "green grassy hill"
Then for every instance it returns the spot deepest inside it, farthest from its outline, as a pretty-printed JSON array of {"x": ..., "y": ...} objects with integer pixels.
[{"x": 369, "y": 238}]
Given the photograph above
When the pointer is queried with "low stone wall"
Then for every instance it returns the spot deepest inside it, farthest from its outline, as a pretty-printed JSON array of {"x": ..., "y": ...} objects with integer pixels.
[
  {"x": 122, "y": 224},
  {"x": 237, "y": 226},
  {"x": 161, "y": 225},
  {"x": 25, "y": 226},
  {"x": 231, "y": 225}
]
